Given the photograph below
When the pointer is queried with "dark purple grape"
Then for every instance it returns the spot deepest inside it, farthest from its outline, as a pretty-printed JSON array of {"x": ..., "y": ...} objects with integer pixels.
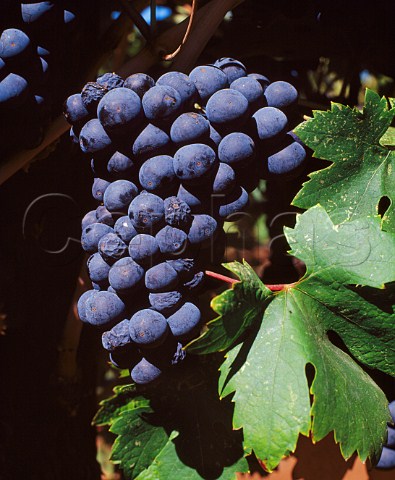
[
  {"x": 91, "y": 95},
  {"x": 208, "y": 80},
  {"x": 126, "y": 275},
  {"x": 184, "y": 323},
  {"x": 117, "y": 337},
  {"x": 140, "y": 83},
  {"x": 182, "y": 84},
  {"x": 177, "y": 213},
  {"x": 148, "y": 328},
  {"x": 161, "y": 278},
  {"x": 110, "y": 81},
  {"x": 145, "y": 372}
]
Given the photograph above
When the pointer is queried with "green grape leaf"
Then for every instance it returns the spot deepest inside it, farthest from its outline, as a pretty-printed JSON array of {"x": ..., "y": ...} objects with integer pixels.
[
  {"x": 363, "y": 169},
  {"x": 125, "y": 397},
  {"x": 238, "y": 308},
  {"x": 138, "y": 441},
  {"x": 314, "y": 328},
  {"x": 167, "y": 465}
]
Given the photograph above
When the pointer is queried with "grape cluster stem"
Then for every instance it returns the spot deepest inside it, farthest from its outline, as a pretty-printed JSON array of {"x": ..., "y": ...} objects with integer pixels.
[{"x": 274, "y": 288}]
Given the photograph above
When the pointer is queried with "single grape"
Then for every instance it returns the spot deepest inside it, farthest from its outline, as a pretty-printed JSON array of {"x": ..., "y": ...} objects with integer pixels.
[
  {"x": 117, "y": 337},
  {"x": 237, "y": 150},
  {"x": 171, "y": 240},
  {"x": 286, "y": 160},
  {"x": 161, "y": 104},
  {"x": 165, "y": 302},
  {"x": 161, "y": 278},
  {"x": 146, "y": 211},
  {"x": 227, "y": 109},
  {"x": 98, "y": 269},
  {"x": 125, "y": 275},
  {"x": 92, "y": 234},
  {"x": 144, "y": 249},
  {"x": 281, "y": 95},
  {"x": 145, "y": 372},
  {"x": 189, "y": 128},
  {"x": 233, "y": 203},
  {"x": 151, "y": 141},
  {"x": 269, "y": 123},
  {"x": 14, "y": 91},
  {"x": 93, "y": 138},
  {"x": 111, "y": 247},
  {"x": 177, "y": 213},
  {"x": 110, "y": 81},
  {"x": 148, "y": 328},
  {"x": 182, "y": 84},
  {"x": 251, "y": 89},
  {"x": 157, "y": 173},
  {"x": 224, "y": 180},
  {"x": 202, "y": 230},
  {"x": 14, "y": 44},
  {"x": 75, "y": 111},
  {"x": 91, "y": 95},
  {"x": 103, "y": 308},
  {"x": 233, "y": 69},
  {"x": 118, "y": 195},
  {"x": 81, "y": 305},
  {"x": 98, "y": 188},
  {"x": 104, "y": 216},
  {"x": 120, "y": 164},
  {"x": 120, "y": 110},
  {"x": 208, "y": 80},
  {"x": 88, "y": 219},
  {"x": 185, "y": 321},
  {"x": 194, "y": 163},
  {"x": 124, "y": 229},
  {"x": 139, "y": 83}
]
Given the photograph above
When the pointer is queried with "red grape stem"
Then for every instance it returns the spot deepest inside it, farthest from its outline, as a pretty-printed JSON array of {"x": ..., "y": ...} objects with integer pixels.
[{"x": 224, "y": 278}]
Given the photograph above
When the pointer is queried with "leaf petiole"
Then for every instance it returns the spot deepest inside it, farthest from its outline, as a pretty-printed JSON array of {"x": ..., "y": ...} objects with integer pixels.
[{"x": 224, "y": 278}]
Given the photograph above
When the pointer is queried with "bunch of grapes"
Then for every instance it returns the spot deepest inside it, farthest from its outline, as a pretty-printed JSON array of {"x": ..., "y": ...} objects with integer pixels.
[
  {"x": 37, "y": 45},
  {"x": 172, "y": 160}
]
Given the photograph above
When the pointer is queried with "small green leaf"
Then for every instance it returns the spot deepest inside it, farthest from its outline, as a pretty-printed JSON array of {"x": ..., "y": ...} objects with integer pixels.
[
  {"x": 267, "y": 373},
  {"x": 238, "y": 308},
  {"x": 138, "y": 441},
  {"x": 363, "y": 170},
  {"x": 167, "y": 466},
  {"x": 125, "y": 398}
]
